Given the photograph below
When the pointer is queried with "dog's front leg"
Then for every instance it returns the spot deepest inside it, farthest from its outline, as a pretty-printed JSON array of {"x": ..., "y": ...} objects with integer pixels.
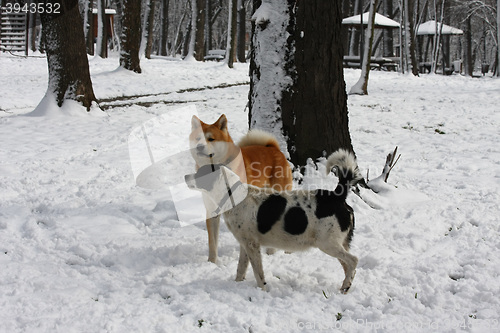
[
  {"x": 242, "y": 265},
  {"x": 213, "y": 237},
  {"x": 252, "y": 249}
]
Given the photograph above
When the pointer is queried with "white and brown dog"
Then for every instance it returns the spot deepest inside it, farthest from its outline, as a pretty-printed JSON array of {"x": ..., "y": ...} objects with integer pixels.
[
  {"x": 256, "y": 159},
  {"x": 289, "y": 220}
]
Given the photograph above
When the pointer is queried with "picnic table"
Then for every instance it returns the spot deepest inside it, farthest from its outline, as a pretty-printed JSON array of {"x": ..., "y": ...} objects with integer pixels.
[
  {"x": 216, "y": 55},
  {"x": 379, "y": 63}
]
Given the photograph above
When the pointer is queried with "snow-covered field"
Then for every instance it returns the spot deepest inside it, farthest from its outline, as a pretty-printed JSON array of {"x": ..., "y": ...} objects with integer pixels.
[{"x": 84, "y": 249}]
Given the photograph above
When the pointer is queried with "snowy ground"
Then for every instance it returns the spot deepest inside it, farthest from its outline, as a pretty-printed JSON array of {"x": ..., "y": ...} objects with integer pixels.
[{"x": 84, "y": 249}]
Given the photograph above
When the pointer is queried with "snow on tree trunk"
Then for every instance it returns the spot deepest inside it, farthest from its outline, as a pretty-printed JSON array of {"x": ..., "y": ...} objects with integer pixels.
[
  {"x": 102, "y": 36},
  {"x": 361, "y": 87},
  {"x": 297, "y": 88},
  {"x": 64, "y": 39},
  {"x": 131, "y": 36},
  {"x": 269, "y": 75}
]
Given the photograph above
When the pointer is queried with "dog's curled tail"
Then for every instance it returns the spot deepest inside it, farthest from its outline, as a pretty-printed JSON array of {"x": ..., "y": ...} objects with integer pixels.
[
  {"x": 347, "y": 169},
  {"x": 257, "y": 137}
]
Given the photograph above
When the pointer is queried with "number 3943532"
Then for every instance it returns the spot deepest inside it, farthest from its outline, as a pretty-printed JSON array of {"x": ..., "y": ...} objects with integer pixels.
[{"x": 38, "y": 8}]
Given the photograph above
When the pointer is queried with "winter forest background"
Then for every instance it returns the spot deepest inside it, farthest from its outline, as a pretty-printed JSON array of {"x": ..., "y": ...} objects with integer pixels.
[
  {"x": 167, "y": 27},
  {"x": 86, "y": 247}
]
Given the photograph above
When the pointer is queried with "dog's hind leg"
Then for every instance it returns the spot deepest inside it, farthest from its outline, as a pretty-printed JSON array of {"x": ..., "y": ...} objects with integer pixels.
[
  {"x": 347, "y": 260},
  {"x": 213, "y": 224},
  {"x": 242, "y": 265},
  {"x": 252, "y": 249}
]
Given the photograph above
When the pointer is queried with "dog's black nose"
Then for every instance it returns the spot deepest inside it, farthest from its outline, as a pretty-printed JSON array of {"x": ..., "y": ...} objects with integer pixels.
[{"x": 200, "y": 147}]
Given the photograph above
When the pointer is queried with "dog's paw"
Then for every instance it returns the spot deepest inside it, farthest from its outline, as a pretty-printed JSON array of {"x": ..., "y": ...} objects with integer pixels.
[
  {"x": 345, "y": 290},
  {"x": 265, "y": 287}
]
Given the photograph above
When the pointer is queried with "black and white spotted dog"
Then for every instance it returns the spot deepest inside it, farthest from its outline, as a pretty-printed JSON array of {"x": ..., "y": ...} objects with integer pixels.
[{"x": 292, "y": 220}]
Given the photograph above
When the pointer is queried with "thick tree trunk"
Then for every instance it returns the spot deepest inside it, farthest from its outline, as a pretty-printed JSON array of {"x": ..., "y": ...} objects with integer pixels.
[
  {"x": 69, "y": 76},
  {"x": 315, "y": 117},
  {"x": 270, "y": 63},
  {"x": 297, "y": 83},
  {"x": 131, "y": 36}
]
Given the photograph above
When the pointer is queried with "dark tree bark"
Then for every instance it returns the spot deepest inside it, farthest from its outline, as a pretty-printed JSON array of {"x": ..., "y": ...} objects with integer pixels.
[
  {"x": 199, "y": 46},
  {"x": 149, "y": 28},
  {"x": 64, "y": 40},
  {"x": 388, "y": 36},
  {"x": 32, "y": 31},
  {"x": 89, "y": 29},
  {"x": 208, "y": 24},
  {"x": 102, "y": 27},
  {"x": 231, "y": 33},
  {"x": 241, "y": 32},
  {"x": 313, "y": 106},
  {"x": 468, "y": 63},
  {"x": 131, "y": 36},
  {"x": 413, "y": 39},
  {"x": 164, "y": 28}
]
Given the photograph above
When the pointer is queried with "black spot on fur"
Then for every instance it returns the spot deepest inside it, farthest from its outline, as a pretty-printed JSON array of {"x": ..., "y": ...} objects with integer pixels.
[
  {"x": 295, "y": 221},
  {"x": 330, "y": 203},
  {"x": 270, "y": 212}
]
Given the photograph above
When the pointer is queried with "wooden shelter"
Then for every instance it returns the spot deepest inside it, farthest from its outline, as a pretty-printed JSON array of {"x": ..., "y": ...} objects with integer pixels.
[
  {"x": 360, "y": 22},
  {"x": 429, "y": 30}
]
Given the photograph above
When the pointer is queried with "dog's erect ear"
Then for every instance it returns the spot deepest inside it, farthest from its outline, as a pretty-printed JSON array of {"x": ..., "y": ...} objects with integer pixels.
[
  {"x": 195, "y": 123},
  {"x": 221, "y": 123}
]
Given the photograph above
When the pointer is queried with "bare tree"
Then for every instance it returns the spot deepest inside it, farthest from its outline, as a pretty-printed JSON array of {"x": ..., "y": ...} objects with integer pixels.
[
  {"x": 89, "y": 26},
  {"x": 199, "y": 47},
  {"x": 102, "y": 31},
  {"x": 241, "y": 31},
  {"x": 131, "y": 36},
  {"x": 148, "y": 27},
  {"x": 388, "y": 33},
  {"x": 190, "y": 40},
  {"x": 69, "y": 75},
  {"x": 164, "y": 27},
  {"x": 231, "y": 33},
  {"x": 361, "y": 87}
]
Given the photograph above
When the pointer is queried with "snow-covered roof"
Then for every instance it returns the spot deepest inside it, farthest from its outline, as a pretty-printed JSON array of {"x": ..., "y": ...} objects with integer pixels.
[
  {"x": 380, "y": 20},
  {"x": 429, "y": 28}
]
